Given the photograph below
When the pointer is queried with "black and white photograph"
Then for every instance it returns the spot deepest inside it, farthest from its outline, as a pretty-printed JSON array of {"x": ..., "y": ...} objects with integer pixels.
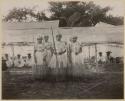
[{"x": 68, "y": 50}]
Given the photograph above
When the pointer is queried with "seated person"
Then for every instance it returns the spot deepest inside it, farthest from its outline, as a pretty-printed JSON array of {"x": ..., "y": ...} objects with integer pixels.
[
  {"x": 119, "y": 60},
  {"x": 109, "y": 58},
  {"x": 4, "y": 66},
  {"x": 92, "y": 60},
  {"x": 24, "y": 60},
  {"x": 18, "y": 61},
  {"x": 8, "y": 61},
  {"x": 29, "y": 61},
  {"x": 100, "y": 58}
]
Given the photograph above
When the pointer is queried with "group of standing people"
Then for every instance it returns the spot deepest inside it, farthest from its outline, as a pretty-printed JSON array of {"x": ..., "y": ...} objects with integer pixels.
[{"x": 57, "y": 58}]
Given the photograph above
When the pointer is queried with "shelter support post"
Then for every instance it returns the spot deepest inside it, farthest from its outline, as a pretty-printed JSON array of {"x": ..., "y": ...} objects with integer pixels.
[
  {"x": 89, "y": 51},
  {"x": 13, "y": 54},
  {"x": 96, "y": 54}
]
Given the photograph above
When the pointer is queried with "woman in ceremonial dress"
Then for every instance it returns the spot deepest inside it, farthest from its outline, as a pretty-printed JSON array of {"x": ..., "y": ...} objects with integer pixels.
[
  {"x": 58, "y": 62},
  {"x": 39, "y": 70},
  {"x": 76, "y": 58},
  {"x": 48, "y": 49}
]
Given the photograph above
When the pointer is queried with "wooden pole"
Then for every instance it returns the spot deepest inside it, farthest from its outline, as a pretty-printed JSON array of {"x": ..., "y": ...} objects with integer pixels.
[
  {"x": 13, "y": 54},
  {"x": 54, "y": 47},
  {"x": 89, "y": 51},
  {"x": 35, "y": 69},
  {"x": 34, "y": 50},
  {"x": 96, "y": 54}
]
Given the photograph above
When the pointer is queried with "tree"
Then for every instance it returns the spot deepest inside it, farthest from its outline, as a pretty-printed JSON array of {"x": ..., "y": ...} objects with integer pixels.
[
  {"x": 78, "y": 13},
  {"x": 24, "y": 14},
  {"x": 41, "y": 16},
  {"x": 114, "y": 20},
  {"x": 70, "y": 14}
]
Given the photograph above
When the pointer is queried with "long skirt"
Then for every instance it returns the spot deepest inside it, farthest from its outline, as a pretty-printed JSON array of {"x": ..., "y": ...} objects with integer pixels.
[
  {"x": 39, "y": 68},
  {"x": 39, "y": 71},
  {"x": 48, "y": 57},
  {"x": 58, "y": 65},
  {"x": 77, "y": 65}
]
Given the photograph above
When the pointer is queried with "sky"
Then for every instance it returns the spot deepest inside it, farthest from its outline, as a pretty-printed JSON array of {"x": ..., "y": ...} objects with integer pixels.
[{"x": 42, "y": 5}]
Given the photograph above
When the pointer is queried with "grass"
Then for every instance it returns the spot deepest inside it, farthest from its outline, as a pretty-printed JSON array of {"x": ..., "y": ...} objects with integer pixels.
[{"x": 106, "y": 85}]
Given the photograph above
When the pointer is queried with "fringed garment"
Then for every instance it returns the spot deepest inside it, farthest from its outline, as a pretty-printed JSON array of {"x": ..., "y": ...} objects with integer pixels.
[
  {"x": 39, "y": 68},
  {"x": 58, "y": 63},
  {"x": 76, "y": 59}
]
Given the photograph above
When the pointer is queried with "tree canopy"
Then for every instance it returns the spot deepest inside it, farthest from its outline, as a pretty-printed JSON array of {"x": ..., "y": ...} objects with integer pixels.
[
  {"x": 24, "y": 14},
  {"x": 70, "y": 14},
  {"x": 78, "y": 13}
]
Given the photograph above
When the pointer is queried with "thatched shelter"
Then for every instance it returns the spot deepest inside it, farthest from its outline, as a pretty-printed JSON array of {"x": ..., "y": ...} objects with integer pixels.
[{"x": 107, "y": 37}]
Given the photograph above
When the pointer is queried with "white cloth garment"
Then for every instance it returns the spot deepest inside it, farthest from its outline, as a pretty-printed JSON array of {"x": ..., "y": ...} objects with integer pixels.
[
  {"x": 77, "y": 59},
  {"x": 61, "y": 60},
  {"x": 9, "y": 63},
  {"x": 48, "y": 50},
  {"x": 101, "y": 58},
  {"x": 18, "y": 62},
  {"x": 29, "y": 62},
  {"x": 39, "y": 57},
  {"x": 39, "y": 54}
]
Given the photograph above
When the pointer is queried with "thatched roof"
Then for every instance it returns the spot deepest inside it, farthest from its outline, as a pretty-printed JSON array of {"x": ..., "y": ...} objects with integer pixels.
[
  {"x": 30, "y": 25},
  {"x": 24, "y": 32}
]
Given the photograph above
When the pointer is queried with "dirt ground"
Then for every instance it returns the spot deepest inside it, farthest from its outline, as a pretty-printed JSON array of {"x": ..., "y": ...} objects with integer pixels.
[{"x": 105, "y": 85}]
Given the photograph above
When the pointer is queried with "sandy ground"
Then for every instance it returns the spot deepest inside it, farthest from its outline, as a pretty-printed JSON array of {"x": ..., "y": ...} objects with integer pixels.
[{"x": 18, "y": 84}]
